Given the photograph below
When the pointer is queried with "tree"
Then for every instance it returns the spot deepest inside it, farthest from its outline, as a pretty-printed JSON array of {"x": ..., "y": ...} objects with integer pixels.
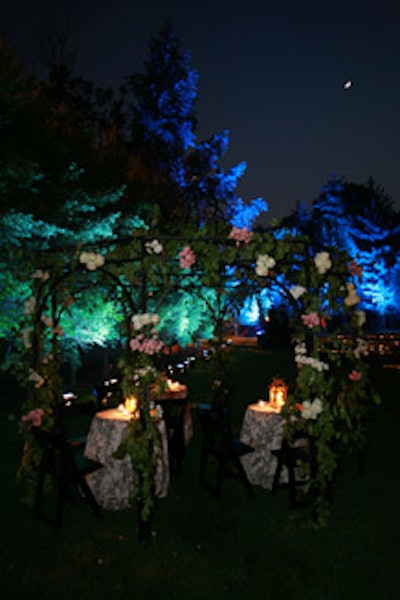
[
  {"x": 164, "y": 133},
  {"x": 358, "y": 218}
]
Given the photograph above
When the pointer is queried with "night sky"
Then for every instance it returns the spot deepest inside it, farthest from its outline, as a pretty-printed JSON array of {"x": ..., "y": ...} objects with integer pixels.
[{"x": 273, "y": 73}]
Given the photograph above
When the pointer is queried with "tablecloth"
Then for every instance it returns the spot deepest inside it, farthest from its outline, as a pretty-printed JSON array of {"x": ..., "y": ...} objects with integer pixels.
[
  {"x": 113, "y": 485},
  {"x": 262, "y": 430}
]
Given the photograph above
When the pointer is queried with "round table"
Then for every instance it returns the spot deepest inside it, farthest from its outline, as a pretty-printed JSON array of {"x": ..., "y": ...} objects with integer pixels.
[
  {"x": 113, "y": 485},
  {"x": 262, "y": 429}
]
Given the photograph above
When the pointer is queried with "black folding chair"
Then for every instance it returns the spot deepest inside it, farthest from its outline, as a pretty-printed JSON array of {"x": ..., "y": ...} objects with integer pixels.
[
  {"x": 220, "y": 446},
  {"x": 289, "y": 455},
  {"x": 220, "y": 398},
  {"x": 174, "y": 415},
  {"x": 67, "y": 472}
]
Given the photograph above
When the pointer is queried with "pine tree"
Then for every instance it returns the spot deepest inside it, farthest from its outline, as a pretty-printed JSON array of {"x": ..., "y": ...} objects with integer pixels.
[{"x": 164, "y": 134}]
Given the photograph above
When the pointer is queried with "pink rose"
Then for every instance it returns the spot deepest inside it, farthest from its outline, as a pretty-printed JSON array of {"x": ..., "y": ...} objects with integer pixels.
[
  {"x": 34, "y": 416},
  {"x": 311, "y": 320},
  {"x": 187, "y": 257},
  {"x": 240, "y": 235},
  {"x": 355, "y": 375},
  {"x": 355, "y": 269}
]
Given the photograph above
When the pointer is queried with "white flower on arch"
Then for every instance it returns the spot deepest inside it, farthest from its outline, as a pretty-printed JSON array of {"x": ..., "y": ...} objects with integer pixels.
[
  {"x": 264, "y": 263},
  {"x": 311, "y": 410},
  {"x": 92, "y": 260},
  {"x": 322, "y": 262}
]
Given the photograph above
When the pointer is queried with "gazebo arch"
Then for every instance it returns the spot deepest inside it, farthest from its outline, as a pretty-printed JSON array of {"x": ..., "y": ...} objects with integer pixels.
[{"x": 317, "y": 285}]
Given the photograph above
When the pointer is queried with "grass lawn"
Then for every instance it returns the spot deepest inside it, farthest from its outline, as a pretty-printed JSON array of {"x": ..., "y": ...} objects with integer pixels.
[{"x": 239, "y": 547}]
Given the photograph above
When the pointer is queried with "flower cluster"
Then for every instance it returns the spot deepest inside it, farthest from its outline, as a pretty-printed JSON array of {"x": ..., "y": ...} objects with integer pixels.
[
  {"x": 311, "y": 410},
  {"x": 355, "y": 375},
  {"x": 361, "y": 317},
  {"x": 264, "y": 264},
  {"x": 140, "y": 374},
  {"x": 30, "y": 305},
  {"x": 37, "y": 379},
  {"x": 355, "y": 269},
  {"x": 187, "y": 257},
  {"x": 48, "y": 321},
  {"x": 352, "y": 298},
  {"x": 91, "y": 260},
  {"x": 34, "y": 417},
  {"x": 296, "y": 291},
  {"x": 26, "y": 337},
  {"x": 362, "y": 348},
  {"x": 146, "y": 345},
  {"x": 40, "y": 274},
  {"x": 241, "y": 235},
  {"x": 154, "y": 247},
  {"x": 322, "y": 262},
  {"x": 301, "y": 358},
  {"x": 143, "y": 320},
  {"x": 310, "y": 320}
]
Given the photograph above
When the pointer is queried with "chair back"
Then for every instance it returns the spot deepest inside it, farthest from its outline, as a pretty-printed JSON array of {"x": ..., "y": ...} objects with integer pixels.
[
  {"x": 57, "y": 456},
  {"x": 222, "y": 397},
  {"x": 67, "y": 470}
]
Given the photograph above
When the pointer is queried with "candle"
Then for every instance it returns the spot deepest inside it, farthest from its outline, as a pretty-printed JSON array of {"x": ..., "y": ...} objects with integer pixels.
[{"x": 131, "y": 404}]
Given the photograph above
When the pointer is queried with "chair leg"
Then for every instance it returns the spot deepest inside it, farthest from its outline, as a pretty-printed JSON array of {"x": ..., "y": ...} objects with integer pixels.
[
  {"x": 277, "y": 474},
  {"x": 220, "y": 475},
  {"x": 243, "y": 477},
  {"x": 203, "y": 464},
  {"x": 62, "y": 494},
  {"x": 292, "y": 485},
  {"x": 39, "y": 492},
  {"x": 88, "y": 495}
]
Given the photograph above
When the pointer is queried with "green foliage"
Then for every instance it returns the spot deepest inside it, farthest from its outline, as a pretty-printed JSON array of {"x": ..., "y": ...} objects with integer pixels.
[
  {"x": 185, "y": 317},
  {"x": 142, "y": 444},
  {"x": 92, "y": 320}
]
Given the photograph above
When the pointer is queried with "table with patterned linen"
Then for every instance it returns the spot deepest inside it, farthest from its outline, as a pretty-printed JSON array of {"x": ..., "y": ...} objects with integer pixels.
[
  {"x": 262, "y": 429},
  {"x": 113, "y": 485}
]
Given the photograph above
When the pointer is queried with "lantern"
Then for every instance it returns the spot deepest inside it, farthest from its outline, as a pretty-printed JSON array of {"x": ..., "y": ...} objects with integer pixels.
[{"x": 277, "y": 393}]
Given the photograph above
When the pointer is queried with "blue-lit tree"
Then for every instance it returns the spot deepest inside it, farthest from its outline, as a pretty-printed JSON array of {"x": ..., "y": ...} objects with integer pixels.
[
  {"x": 359, "y": 219},
  {"x": 164, "y": 134}
]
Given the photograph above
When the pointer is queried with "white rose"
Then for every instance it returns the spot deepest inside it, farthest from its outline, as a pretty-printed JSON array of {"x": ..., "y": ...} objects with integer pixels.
[
  {"x": 361, "y": 316},
  {"x": 322, "y": 262},
  {"x": 263, "y": 264},
  {"x": 154, "y": 247},
  {"x": 136, "y": 321},
  {"x": 296, "y": 291},
  {"x": 91, "y": 260},
  {"x": 312, "y": 409},
  {"x": 146, "y": 319}
]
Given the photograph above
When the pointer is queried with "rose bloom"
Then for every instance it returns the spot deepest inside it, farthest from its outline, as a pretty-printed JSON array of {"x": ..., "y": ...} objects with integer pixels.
[
  {"x": 311, "y": 320},
  {"x": 34, "y": 416},
  {"x": 241, "y": 235},
  {"x": 264, "y": 263},
  {"x": 355, "y": 375},
  {"x": 311, "y": 410},
  {"x": 187, "y": 257},
  {"x": 322, "y": 262},
  {"x": 296, "y": 291},
  {"x": 355, "y": 269}
]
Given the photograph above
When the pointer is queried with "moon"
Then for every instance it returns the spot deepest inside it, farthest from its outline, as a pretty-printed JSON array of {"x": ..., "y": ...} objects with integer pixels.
[{"x": 347, "y": 85}]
